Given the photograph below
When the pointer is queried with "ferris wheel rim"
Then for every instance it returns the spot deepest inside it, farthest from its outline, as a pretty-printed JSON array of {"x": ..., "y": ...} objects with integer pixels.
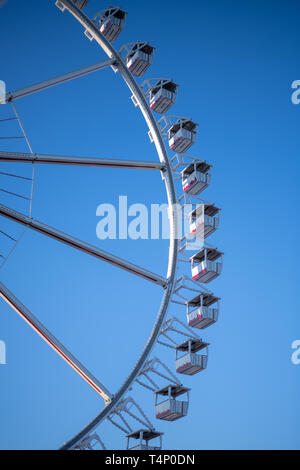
[{"x": 172, "y": 201}]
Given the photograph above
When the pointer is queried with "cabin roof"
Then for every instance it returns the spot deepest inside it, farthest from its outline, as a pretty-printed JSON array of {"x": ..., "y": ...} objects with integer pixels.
[
  {"x": 166, "y": 84},
  {"x": 196, "y": 345},
  {"x": 209, "y": 209},
  {"x": 187, "y": 124},
  {"x": 147, "y": 434},
  {"x": 212, "y": 254},
  {"x": 176, "y": 390},
  {"x": 201, "y": 165},
  {"x": 208, "y": 299}
]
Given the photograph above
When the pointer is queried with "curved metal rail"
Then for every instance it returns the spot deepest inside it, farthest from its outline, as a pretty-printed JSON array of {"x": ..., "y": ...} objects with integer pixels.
[{"x": 171, "y": 194}]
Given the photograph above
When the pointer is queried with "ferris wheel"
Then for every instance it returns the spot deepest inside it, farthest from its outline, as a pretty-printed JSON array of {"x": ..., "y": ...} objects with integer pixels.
[{"x": 185, "y": 177}]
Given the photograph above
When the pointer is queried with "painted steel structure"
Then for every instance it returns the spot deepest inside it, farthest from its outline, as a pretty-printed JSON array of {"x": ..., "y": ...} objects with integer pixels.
[
  {"x": 116, "y": 60},
  {"x": 146, "y": 369},
  {"x": 172, "y": 200}
]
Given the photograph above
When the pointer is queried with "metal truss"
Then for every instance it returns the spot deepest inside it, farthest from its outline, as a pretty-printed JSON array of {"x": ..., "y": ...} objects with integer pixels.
[
  {"x": 186, "y": 283},
  {"x": 155, "y": 367},
  {"x": 175, "y": 326},
  {"x": 117, "y": 62},
  {"x": 128, "y": 407},
  {"x": 91, "y": 442},
  {"x": 120, "y": 409}
]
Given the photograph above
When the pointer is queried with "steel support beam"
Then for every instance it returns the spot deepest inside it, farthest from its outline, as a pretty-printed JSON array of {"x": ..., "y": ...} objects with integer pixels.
[
  {"x": 82, "y": 161},
  {"x": 49, "y": 338},
  {"x": 14, "y": 95},
  {"x": 81, "y": 245}
]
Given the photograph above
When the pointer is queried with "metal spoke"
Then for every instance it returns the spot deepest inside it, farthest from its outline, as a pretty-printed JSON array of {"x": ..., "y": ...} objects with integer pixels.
[
  {"x": 3, "y": 173},
  {"x": 13, "y": 137},
  {"x": 13, "y": 95},
  {"x": 14, "y": 194},
  {"x": 8, "y": 119},
  {"x": 80, "y": 245},
  {"x": 83, "y": 161},
  {"x": 53, "y": 342},
  {"x": 8, "y": 236}
]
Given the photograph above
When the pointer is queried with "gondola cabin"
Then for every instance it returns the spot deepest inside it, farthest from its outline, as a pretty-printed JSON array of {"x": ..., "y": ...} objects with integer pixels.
[
  {"x": 163, "y": 96},
  {"x": 206, "y": 264},
  {"x": 169, "y": 408},
  {"x": 142, "y": 438},
  {"x": 196, "y": 177},
  {"x": 187, "y": 360},
  {"x": 182, "y": 135},
  {"x": 112, "y": 22},
  {"x": 140, "y": 58},
  {"x": 202, "y": 310},
  {"x": 204, "y": 220}
]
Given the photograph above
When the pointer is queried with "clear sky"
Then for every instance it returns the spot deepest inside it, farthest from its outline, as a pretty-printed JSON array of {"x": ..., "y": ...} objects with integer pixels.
[{"x": 235, "y": 63}]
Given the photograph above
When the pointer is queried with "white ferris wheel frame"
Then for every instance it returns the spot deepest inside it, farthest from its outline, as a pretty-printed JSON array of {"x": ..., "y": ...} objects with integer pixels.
[{"x": 116, "y": 61}]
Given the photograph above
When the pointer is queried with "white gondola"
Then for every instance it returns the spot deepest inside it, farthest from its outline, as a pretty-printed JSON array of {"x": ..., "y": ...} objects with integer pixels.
[
  {"x": 140, "y": 58},
  {"x": 190, "y": 362},
  {"x": 112, "y": 22},
  {"x": 171, "y": 409},
  {"x": 182, "y": 135},
  {"x": 204, "y": 220},
  {"x": 163, "y": 96},
  {"x": 206, "y": 264},
  {"x": 196, "y": 177},
  {"x": 200, "y": 313},
  {"x": 143, "y": 436}
]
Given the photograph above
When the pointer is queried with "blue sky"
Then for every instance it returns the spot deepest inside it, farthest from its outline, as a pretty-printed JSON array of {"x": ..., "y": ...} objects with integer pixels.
[{"x": 235, "y": 63}]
